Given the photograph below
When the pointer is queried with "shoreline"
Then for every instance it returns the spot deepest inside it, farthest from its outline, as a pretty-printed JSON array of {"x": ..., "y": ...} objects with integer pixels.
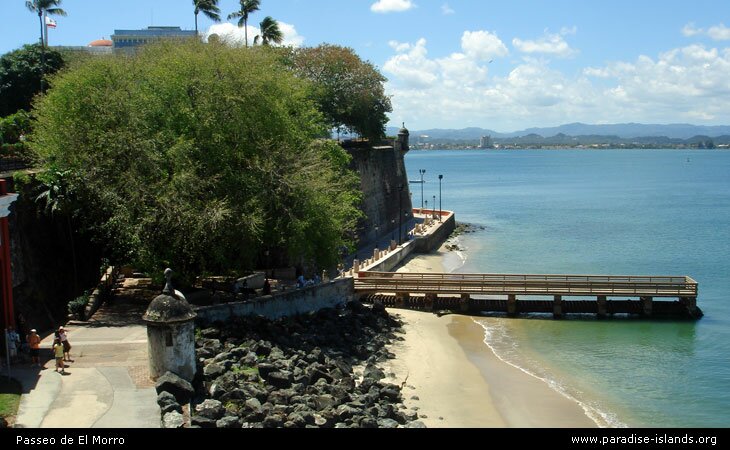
[{"x": 456, "y": 380}]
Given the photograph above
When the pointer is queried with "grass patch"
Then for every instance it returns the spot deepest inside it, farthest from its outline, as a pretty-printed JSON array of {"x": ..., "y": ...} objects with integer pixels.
[
  {"x": 245, "y": 370},
  {"x": 9, "y": 397}
]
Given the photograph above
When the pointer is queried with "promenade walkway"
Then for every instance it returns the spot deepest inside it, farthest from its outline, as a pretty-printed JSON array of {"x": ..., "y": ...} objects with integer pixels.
[{"x": 107, "y": 385}]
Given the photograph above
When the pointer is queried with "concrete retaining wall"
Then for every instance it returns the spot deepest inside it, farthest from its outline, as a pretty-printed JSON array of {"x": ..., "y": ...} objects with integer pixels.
[
  {"x": 426, "y": 244},
  {"x": 291, "y": 303}
]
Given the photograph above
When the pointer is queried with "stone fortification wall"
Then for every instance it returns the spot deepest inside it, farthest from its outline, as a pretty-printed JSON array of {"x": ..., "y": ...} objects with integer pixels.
[
  {"x": 285, "y": 304},
  {"x": 382, "y": 171}
]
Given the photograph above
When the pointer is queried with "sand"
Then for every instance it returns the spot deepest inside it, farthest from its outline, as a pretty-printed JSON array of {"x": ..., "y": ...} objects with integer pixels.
[{"x": 456, "y": 381}]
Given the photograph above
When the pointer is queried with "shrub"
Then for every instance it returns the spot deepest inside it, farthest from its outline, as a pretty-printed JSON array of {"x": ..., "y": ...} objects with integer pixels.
[{"x": 77, "y": 306}]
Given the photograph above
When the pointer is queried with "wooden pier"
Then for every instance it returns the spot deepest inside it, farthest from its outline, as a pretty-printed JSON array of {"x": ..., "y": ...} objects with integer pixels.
[{"x": 649, "y": 296}]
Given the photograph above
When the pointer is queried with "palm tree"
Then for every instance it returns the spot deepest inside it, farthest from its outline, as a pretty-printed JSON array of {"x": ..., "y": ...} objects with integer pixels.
[
  {"x": 247, "y": 7},
  {"x": 207, "y": 7},
  {"x": 43, "y": 7},
  {"x": 270, "y": 32}
]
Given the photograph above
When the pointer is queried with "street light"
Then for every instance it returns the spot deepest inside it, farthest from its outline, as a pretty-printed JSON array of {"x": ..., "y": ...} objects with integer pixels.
[
  {"x": 377, "y": 244},
  {"x": 392, "y": 227},
  {"x": 441, "y": 177},
  {"x": 422, "y": 172},
  {"x": 434, "y": 206}
]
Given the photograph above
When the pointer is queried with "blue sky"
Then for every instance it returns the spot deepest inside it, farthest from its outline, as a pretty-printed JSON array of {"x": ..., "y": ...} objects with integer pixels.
[{"x": 504, "y": 65}]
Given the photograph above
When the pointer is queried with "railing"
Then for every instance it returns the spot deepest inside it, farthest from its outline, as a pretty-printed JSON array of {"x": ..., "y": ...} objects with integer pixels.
[{"x": 569, "y": 285}]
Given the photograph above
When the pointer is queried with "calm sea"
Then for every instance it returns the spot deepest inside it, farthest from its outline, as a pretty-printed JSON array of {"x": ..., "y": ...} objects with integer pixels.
[{"x": 623, "y": 212}]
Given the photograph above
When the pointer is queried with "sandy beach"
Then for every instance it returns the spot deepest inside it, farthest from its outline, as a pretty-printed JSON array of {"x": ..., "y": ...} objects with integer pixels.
[{"x": 456, "y": 381}]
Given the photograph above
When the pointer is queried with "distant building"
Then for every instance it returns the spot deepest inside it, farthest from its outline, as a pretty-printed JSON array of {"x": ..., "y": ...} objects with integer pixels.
[
  {"x": 129, "y": 40},
  {"x": 97, "y": 47},
  {"x": 486, "y": 142}
]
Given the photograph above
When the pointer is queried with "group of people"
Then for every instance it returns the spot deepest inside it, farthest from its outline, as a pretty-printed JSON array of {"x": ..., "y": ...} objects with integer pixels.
[
  {"x": 61, "y": 347},
  {"x": 301, "y": 282}
]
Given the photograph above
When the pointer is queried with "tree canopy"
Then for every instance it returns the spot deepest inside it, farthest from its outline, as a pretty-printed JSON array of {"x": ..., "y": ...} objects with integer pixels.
[
  {"x": 177, "y": 156},
  {"x": 349, "y": 91},
  {"x": 20, "y": 76}
]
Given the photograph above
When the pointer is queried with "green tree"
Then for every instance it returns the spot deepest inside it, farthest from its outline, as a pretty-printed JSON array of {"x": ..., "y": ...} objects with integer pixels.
[
  {"x": 207, "y": 7},
  {"x": 247, "y": 7},
  {"x": 43, "y": 8},
  {"x": 270, "y": 32},
  {"x": 177, "y": 157},
  {"x": 56, "y": 194},
  {"x": 350, "y": 92},
  {"x": 21, "y": 72}
]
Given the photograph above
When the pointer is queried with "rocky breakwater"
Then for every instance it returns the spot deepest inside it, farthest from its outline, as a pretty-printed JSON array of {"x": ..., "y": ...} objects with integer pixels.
[{"x": 317, "y": 370}]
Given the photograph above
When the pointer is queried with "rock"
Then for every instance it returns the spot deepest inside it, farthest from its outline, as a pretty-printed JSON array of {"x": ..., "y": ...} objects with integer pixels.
[
  {"x": 280, "y": 397},
  {"x": 319, "y": 420},
  {"x": 346, "y": 411},
  {"x": 416, "y": 424},
  {"x": 168, "y": 403},
  {"x": 203, "y": 422},
  {"x": 262, "y": 348},
  {"x": 213, "y": 370},
  {"x": 172, "y": 420},
  {"x": 280, "y": 379},
  {"x": 323, "y": 402},
  {"x": 211, "y": 409},
  {"x": 228, "y": 422},
  {"x": 274, "y": 421},
  {"x": 387, "y": 423},
  {"x": 210, "y": 333},
  {"x": 390, "y": 392},
  {"x": 368, "y": 422},
  {"x": 253, "y": 404},
  {"x": 180, "y": 388},
  {"x": 414, "y": 397},
  {"x": 265, "y": 369}
]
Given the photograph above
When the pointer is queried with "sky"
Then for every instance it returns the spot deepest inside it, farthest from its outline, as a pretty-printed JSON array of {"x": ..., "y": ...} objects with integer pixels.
[{"x": 502, "y": 65}]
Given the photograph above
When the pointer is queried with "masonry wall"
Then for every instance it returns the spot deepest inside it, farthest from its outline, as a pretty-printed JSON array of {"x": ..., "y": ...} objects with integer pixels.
[
  {"x": 291, "y": 303},
  {"x": 382, "y": 170}
]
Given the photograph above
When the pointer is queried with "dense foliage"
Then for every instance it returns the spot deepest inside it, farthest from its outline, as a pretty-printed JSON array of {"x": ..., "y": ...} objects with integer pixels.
[
  {"x": 197, "y": 156},
  {"x": 349, "y": 91},
  {"x": 20, "y": 76}
]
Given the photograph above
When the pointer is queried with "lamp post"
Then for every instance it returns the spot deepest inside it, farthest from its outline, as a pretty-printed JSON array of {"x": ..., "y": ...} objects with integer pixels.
[
  {"x": 377, "y": 244},
  {"x": 392, "y": 227},
  {"x": 434, "y": 207},
  {"x": 422, "y": 172},
  {"x": 441, "y": 177}
]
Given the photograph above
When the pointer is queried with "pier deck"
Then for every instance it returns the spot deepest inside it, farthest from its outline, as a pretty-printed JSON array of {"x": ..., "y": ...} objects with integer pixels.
[{"x": 438, "y": 290}]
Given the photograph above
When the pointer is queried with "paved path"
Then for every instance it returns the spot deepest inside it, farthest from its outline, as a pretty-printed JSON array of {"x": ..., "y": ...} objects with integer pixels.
[{"x": 107, "y": 385}]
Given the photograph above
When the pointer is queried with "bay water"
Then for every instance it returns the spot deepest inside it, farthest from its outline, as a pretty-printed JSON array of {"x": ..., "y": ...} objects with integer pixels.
[{"x": 607, "y": 212}]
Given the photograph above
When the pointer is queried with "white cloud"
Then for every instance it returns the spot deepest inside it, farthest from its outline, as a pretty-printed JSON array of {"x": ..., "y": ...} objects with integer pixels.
[
  {"x": 717, "y": 32},
  {"x": 412, "y": 66},
  {"x": 446, "y": 9},
  {"x": 399, "y": 47},
  {"x": 682, "y": 84},
  {"x": 235, "y": 36},
  {"x": 482, "y": 45},
  {"x": 690, "y": 30},
  {"x": 291, "y": 36},
  {"x": 387, "y": 6},
  {"x": 549, "y": 44}
]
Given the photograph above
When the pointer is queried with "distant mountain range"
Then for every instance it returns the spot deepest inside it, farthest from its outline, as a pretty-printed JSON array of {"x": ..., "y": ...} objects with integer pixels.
[{"x": 623, "y": 131}]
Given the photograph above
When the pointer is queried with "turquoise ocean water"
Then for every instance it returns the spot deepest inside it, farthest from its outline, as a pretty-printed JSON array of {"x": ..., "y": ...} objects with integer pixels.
[{"x": 623, "y": 212}]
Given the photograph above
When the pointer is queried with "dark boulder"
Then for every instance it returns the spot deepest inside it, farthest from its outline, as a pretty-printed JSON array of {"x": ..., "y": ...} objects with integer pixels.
[{"x": 180, "y": 388}]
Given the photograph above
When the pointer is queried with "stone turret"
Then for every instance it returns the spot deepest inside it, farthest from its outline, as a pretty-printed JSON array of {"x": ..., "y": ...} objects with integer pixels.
[
  {"x": 402, "y": 141},
  {"x": 171, "y": 333}
]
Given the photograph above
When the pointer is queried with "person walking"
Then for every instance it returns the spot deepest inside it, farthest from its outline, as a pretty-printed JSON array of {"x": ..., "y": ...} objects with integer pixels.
[
  {"x": 58, "y": 353},
  {"x": 66, "y": 344},
  {"x": 34, "y": 341},
  {"x": 13, "y": 342}
]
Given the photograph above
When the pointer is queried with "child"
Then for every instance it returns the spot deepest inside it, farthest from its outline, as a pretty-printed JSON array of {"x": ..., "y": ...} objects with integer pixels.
[
  {"x": 58, "y": 353},
  {"x": 35, "y": 344}
]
